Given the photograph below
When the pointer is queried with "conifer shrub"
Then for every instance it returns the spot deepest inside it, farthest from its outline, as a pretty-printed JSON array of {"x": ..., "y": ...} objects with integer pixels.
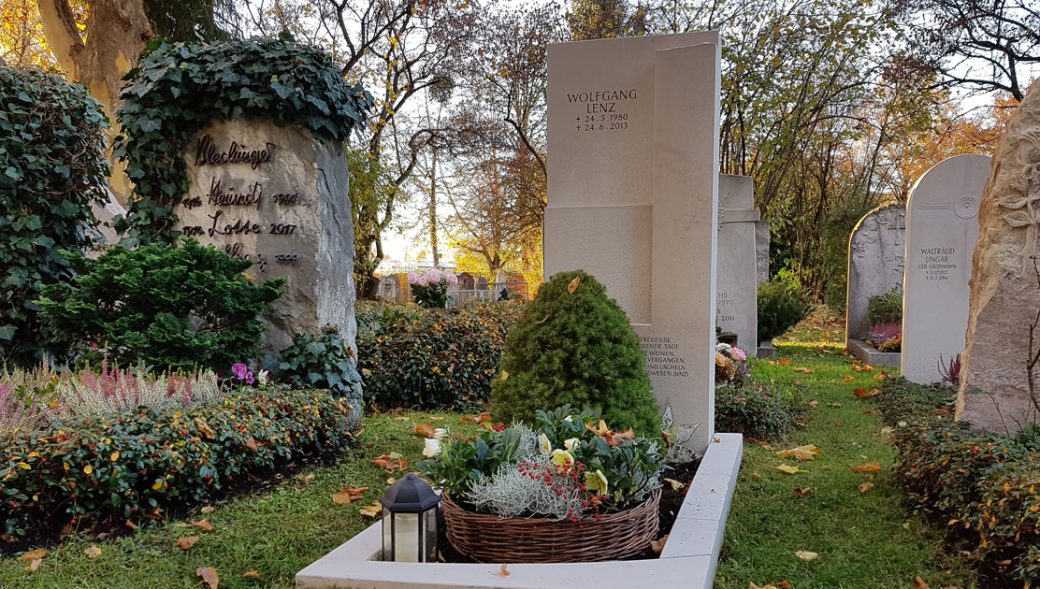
[{"x": 573, "y": 344}]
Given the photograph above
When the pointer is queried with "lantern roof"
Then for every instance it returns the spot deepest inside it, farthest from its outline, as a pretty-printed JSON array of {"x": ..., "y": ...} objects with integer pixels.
[{"x": 410, "y": 494}]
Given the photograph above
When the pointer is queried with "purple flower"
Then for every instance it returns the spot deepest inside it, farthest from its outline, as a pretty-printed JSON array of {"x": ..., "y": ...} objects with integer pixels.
[{"x": 242, "y": 373}]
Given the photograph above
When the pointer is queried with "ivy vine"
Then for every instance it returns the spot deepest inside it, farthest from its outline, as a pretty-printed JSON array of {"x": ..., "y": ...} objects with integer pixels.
[{"x": 177, "y": 89}]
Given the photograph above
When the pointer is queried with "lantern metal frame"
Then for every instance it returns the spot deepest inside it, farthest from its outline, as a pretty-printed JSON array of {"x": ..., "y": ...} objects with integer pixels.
[{"x": 410, "y": 506}]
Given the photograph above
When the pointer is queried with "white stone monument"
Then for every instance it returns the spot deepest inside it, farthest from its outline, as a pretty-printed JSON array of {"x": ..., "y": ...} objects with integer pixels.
[
  {"x": 736, "y": 298},
  {"x": 633, "y": 197},
  {"x": 875, "y": 264},
  {"x": 279, "y": 197},
  {"x": 942, "y": 227}
]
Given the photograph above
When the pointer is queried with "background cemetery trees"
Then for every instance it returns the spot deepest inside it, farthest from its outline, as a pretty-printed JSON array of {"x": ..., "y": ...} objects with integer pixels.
[{"x": 981, "y": 45}]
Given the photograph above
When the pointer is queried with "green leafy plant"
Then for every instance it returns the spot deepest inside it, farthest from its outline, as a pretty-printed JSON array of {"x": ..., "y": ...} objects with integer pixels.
[
  {"x": 135, "y": 465},
  {"x": 177, "y": 89},
  {"x": 322, "y": 361},
  {"x": 574, "y": 345},
  {"x": 421, "y": 359},
  {"x": 52, "y": 169},
  {"x": 886, "y": 308},
  {"x": 782, "y": 303},
  {"x": 178, "y": 307},
  {"x": 756, "y": 410}
]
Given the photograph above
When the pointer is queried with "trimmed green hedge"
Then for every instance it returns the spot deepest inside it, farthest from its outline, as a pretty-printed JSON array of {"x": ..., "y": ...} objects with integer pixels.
[
  {"x": 138, "y": 465},
  {"x": 756, "y": 410},
  {"x": 432, "y": 359},
  {"x": 983, "y": 488}
]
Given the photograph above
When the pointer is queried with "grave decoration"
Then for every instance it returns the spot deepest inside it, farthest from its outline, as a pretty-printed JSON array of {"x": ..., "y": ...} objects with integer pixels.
[{"x": 239, "y": 145}]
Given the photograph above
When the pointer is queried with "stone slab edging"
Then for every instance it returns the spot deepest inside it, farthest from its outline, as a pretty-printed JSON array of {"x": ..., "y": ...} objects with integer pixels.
[
  {"x": 688, "y": 559},
  {"x": 867, "y": 354}
]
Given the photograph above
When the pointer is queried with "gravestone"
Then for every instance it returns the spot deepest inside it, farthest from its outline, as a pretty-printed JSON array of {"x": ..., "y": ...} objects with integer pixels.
[
  {"x": 762, "y": 240},
  {"x": 736, "y": 300},
  {"x": 633, "y": 197},
  {"x": 875, "y": 264},
  {"x": 277, "y": 196},
  {"x": 1004, "y": 301},
  {"x": 941, "y": 229}
]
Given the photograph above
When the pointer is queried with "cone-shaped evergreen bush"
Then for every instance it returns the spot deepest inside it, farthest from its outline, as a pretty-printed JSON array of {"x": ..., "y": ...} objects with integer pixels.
[{"x": 573, "y": 344}]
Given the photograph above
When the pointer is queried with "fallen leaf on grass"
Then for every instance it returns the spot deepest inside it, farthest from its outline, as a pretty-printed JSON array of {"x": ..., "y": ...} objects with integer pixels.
[
  {"x": 784, "y": 362},
  {"x": 676, "y": 485},
  {"x": 208, "y": 576},
  {"x": 806, "y": 452},
  {"x": 34, "y": 565},
  {"x": 92, "y": 552},
  {"x": 848, "y": 378},
  {"x": 867, "y": 467},
  {"x": 211, "y": 509},
  {"x": 33, "y": 554},
  {"x": 373, "y": 510},
  {"x": 203, "y": 525},
  {"x": 755, "y": 475},
  {"x": 348, "y": 495},
  {"x": 806, "y": 555},
  {"x": 504, "y": 570},
  {"x": 753, "y": 586},
  {"x": 788, "y": 469},
  {"x": 887, "y": 430},
  {"x": 389, "y": 462},
  {"x": 186, "y": 542},
  {"x": 864, "y": 487},
  {"x": 802, "y": 370},
  {"x": 866, "y": 394},
  {"x": 423, "y": 429},
  {"x": 658, "y": 545},
  {"x": 919, "y": 583},
  {"x": 857, "y": 367},
  {"x": 251, "y": 575},
  {"x": 802, "y": 492},
  {"x": 814, "y": 403},
  {"x": 835, "y": 405},
  {"x": 881, "y": 376}
]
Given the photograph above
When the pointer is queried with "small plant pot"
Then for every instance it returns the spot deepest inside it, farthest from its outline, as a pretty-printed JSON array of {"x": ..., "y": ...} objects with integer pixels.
[{"x": 489, "y": 538}]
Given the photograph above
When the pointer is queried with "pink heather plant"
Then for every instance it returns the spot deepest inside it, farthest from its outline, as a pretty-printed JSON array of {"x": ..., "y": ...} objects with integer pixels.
[{"x": 883, "y": 333}]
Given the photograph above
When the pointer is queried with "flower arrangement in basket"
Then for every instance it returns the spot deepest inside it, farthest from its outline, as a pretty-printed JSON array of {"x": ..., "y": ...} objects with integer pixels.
[
  {"x": 731, "y": 364},
  {"x": 430, "y": 288},
  {"x": 546, "y": 490}
]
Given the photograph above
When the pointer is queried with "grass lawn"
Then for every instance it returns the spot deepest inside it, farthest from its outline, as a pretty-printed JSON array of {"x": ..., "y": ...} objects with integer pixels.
[
  {"x": 864, "y": 540},
  {"x": 276, "y": 533}
]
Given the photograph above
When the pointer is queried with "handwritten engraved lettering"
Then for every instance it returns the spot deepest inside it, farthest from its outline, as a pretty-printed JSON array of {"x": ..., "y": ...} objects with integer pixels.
[
  {"x": 207, "y": 153},
  {"x": 285, "y": 199},
  {"x": 239, "y": 227},
  {"x": 282, "y": 229},
  {"x": 193, "y": 230},
  {"x": 230, "y": 196},
  {"x": 191, "y": 203}
]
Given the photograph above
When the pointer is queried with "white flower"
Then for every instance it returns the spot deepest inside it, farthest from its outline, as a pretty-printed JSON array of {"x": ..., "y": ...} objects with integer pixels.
[
  {"x": 261, "y": 378},
  {"x": 432, "y": 448},
  {"x": 569, "y": 418},
  {"x": 596, "y": 481},
  {"x": 720, "y": 347},
  {"x": 571, "y": 443},
  {"x": 544, "y": 445},
  {"x": 440, "y": 434}
]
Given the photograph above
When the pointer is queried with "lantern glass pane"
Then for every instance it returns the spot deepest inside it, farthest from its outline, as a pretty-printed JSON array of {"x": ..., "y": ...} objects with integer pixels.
[
  {"x": 431, "y": 534},
  {"x": 388, "y": 536},
  {"x": 406, "y": 537}
]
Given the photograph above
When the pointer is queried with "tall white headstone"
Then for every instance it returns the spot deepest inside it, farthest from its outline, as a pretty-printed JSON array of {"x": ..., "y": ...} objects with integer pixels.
[
  {"x": 942, "y": 227},
  {"x": 875, "y": 263},
  {"x": 633, "y": 197},
  {"x": 737, "y": 281}
]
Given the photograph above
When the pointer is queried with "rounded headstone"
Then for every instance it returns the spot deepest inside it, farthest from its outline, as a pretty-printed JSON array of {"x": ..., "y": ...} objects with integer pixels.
[{"x": 875, "y": 264}]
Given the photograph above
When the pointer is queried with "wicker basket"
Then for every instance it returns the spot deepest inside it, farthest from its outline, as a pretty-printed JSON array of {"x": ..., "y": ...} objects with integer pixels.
[{"x": 489, "y": 538}]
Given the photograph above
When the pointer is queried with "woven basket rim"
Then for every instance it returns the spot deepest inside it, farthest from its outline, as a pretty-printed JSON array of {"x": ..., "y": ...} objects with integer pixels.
[{"x": 653, "y": 497}]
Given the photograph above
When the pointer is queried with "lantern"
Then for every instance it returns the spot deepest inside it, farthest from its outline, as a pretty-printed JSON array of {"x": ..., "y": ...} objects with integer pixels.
[{"x": 410, "y": 521}]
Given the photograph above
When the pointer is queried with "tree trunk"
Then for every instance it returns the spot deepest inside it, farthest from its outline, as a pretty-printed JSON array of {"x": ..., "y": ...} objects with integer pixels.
[
  {"x": 117, "y": 31},
  {"x": 433, "y": 210}
]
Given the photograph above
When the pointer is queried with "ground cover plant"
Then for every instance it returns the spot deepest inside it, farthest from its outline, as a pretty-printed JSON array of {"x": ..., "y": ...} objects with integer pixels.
[{"x": 53, "y": 171}]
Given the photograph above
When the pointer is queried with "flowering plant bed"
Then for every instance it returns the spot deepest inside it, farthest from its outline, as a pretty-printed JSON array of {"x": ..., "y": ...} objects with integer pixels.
[{"x": 547, "y": 489}]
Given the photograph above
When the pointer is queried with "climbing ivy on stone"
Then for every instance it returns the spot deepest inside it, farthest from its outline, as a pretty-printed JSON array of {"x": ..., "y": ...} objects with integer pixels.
[{"x": 177, "y": 89}]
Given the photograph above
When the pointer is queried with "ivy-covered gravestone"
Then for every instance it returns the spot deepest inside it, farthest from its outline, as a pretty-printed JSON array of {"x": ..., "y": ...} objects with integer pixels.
[{"x": 239, "y": 145}]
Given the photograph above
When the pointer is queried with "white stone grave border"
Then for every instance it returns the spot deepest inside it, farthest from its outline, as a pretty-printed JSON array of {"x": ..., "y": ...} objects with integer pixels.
[
  {"x": 868, "y": 354},
  {"x": 688, "y": 560}
]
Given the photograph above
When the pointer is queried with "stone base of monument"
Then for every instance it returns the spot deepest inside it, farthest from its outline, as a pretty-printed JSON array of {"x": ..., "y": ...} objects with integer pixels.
[
  {"x": 868, "y": 354},
  {"x": 688, "y": 559},
  {"x": 766, "y": 350}
]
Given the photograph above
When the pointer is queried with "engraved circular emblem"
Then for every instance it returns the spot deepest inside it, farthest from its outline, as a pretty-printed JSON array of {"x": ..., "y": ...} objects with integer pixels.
[{"x": 967, "y": 207}]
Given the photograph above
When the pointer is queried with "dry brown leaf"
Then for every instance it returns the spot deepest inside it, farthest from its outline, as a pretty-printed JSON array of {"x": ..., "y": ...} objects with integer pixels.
[
  {"x": 372, "y": 510},
  {"x": 390, "y": 462},
  {"x": 802, "y": 492},
  {"x": 33, "y": 555},
  {"x": 205, "y": 429},
  {"x": 881, "y": 376},
  {"x": 544, "y": 319},
  {"x": 806, "y": 555},
  {"x": 864, "y": 487},
  {"x": 208, "y": 576},
  {"x": 802, "y": 370},
  {"x": 784, "y": 585},
  {"x": 756, "y": 475},
  {"x": 868, "y": 467},
  {"x": 423, "y": 429},
  {"x": 814, "y": 403},
  {"x": 866, "y": 394},
  {"x": 203, "y": 524},
  {"x": 252, "y": 445},
  {"x": 504, "y": 570},
  {"x": 210, "y": 508},
  {"x": 857, "y": 367},
  {"x": 92, "y": 552},
  {"x": 784, "y": 362},
  {"x": 770, "y": 586},
  {"x": 33, "y": 565},
  {"x": 835, "y": 405},
  {"x": 658, "y": 545},
  {"x": 186, "y": 542},
  {"x": 573, "y": 286},
  {"x": 348, "y": 495},
  {"x": 788, "y": 469},
  {"x": 676, "y": 485},
  {"x": 130, "y": 524},
  {"x": 919, "y": 583},
  {"x": 848, "y": 378},
  {"x": 806, "y": 452},
  {"x": 251, "y": 575}
]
